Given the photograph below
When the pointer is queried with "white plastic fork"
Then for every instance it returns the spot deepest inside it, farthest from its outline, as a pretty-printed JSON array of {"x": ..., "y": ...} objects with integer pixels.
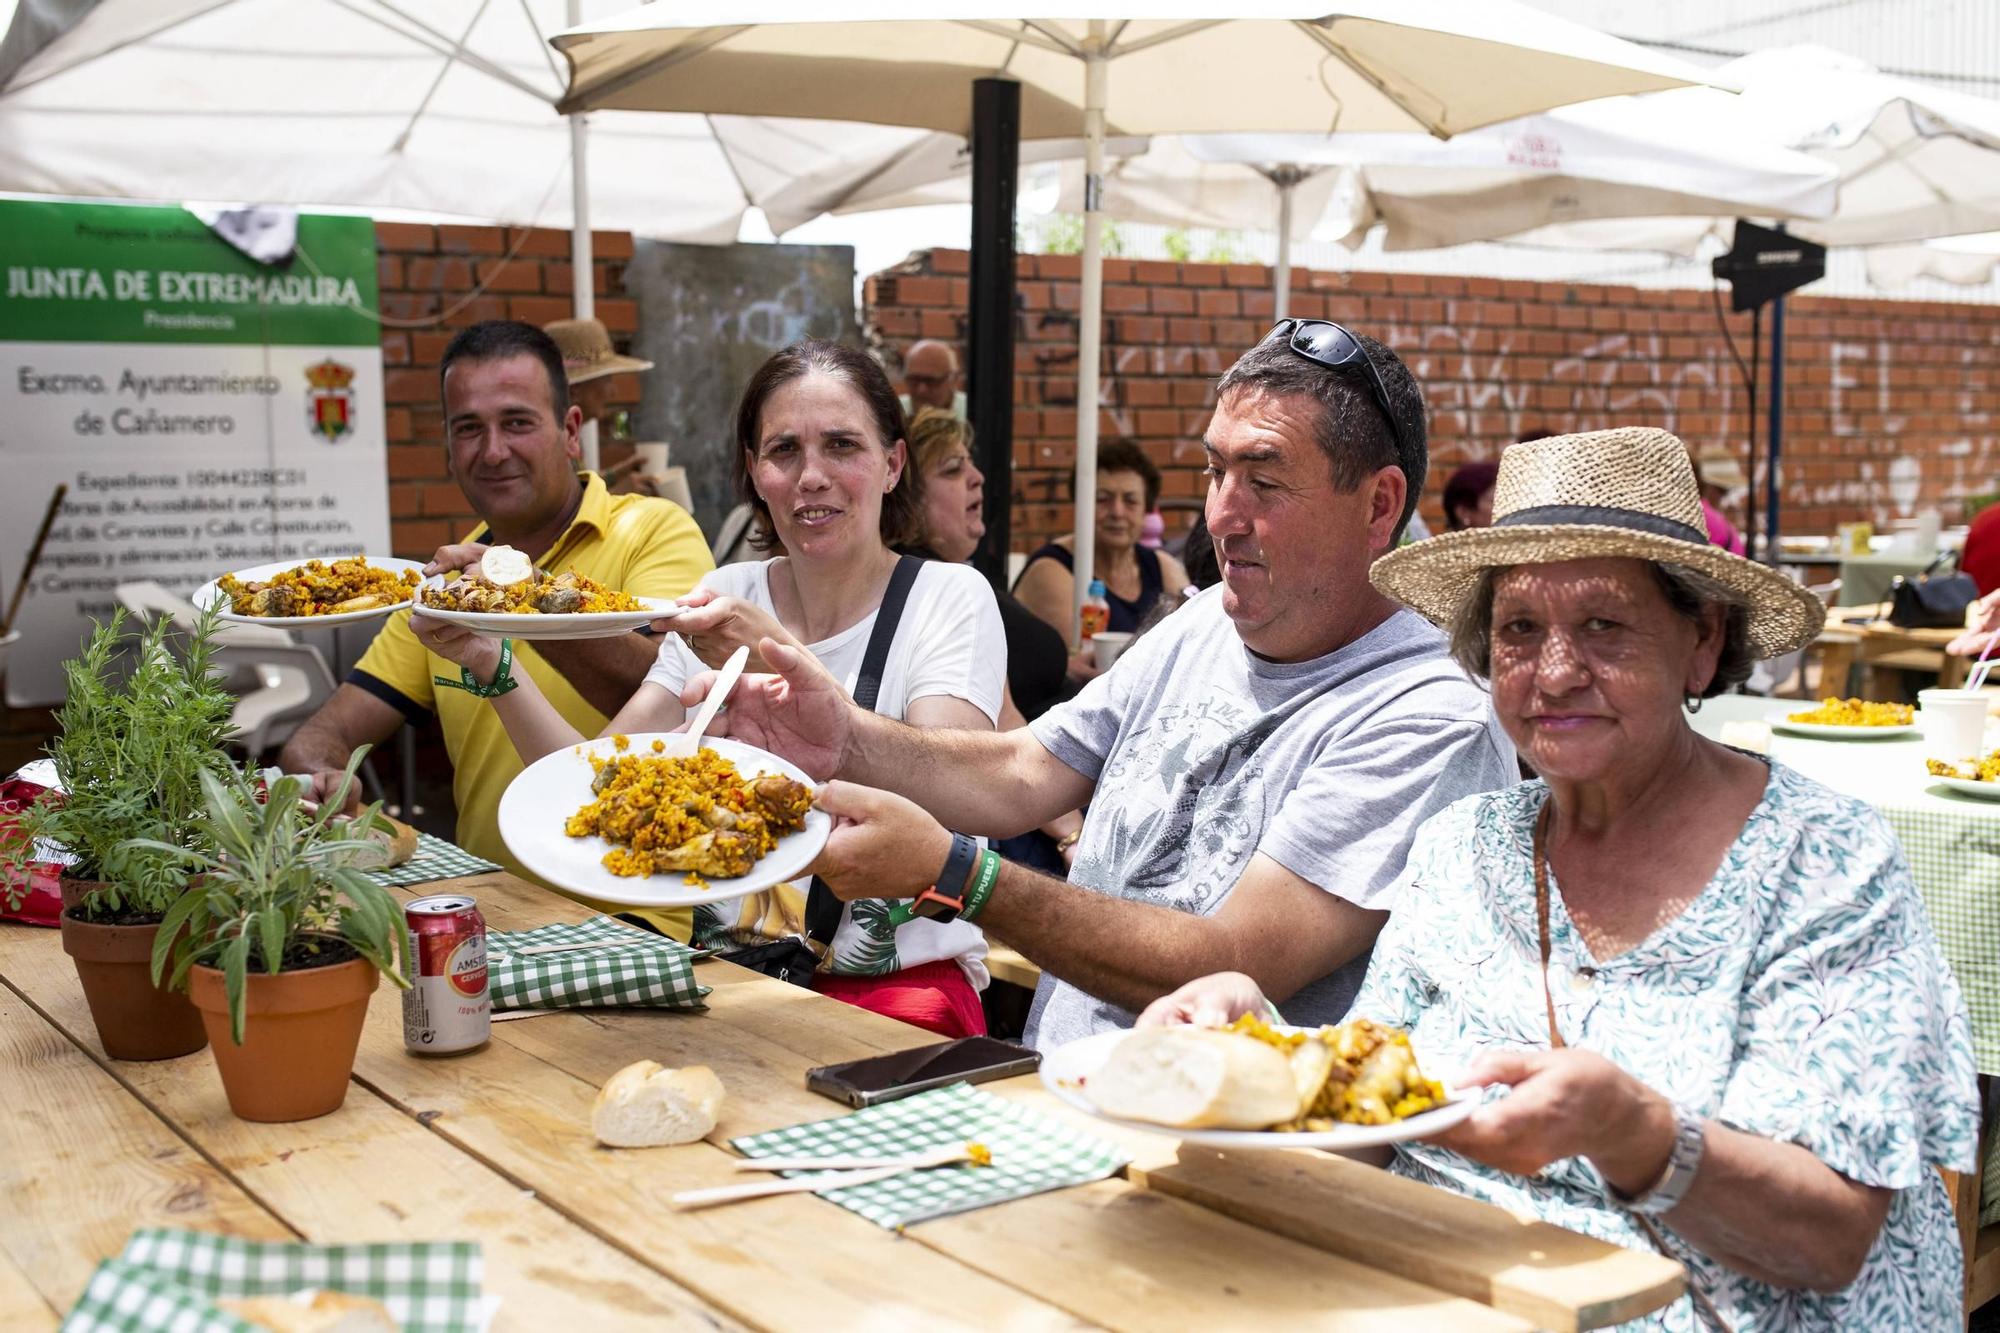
[
  {"x": 688, "y": 743},
  {"x": 757, "y": 1189}
]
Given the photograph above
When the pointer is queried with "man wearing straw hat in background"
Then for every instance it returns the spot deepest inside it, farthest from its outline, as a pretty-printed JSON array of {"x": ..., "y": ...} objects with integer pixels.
[
  {"x": 591, "y": 363},
  {"x": 1255, "y": 765}
]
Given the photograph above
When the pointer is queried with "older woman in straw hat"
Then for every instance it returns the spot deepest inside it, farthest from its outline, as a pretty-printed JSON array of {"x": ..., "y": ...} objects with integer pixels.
[{"x": 1707, "y": 981}]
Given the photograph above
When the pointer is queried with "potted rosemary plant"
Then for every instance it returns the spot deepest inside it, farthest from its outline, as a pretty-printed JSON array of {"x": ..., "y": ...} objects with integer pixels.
[
  {"x": 130, "y": 754},
  {"x": 285, "y": 940}
]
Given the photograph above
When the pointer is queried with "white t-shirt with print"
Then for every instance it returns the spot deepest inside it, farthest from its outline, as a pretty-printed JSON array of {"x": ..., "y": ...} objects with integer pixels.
[{"x": 949, "y": 642}]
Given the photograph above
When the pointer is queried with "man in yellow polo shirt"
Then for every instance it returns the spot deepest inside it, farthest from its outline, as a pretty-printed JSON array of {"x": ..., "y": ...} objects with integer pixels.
[{"x": 512, "y": 446}]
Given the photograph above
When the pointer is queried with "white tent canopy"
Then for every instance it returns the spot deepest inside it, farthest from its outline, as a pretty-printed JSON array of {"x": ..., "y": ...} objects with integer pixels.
[
  {"x": 442, "y": 106},
  {"x": 1133, "y": 67},
  {"x": 1914, "y": 162}
]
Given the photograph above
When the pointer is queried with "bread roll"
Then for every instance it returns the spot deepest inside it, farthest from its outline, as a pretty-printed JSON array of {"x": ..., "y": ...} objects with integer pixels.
[
  {"x": 1195, "y": 1078},
  {"x": 314, "y": 1312},
  {"x": 645, "y": 1105},
  {"x": 398, "y": 842}
]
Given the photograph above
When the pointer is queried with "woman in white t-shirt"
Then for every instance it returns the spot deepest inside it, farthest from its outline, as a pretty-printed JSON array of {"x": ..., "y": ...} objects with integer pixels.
[{"x": 822, "y": 461}]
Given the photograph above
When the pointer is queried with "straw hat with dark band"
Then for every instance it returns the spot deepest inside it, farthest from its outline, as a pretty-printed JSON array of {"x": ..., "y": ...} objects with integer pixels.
[
  {"x": 1609, "y": 493},
  {"x": 587, "y": 351}
]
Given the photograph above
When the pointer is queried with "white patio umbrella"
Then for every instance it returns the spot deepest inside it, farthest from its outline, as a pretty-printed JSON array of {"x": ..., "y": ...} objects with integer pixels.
[
  {"x": 1685, "y": 153},
  {"x": 1913, "y": 161},
  {"x": 443, "y": 106},
  {"x": 1968, "y": 261},
  {"x": 1434, "y": 66}
]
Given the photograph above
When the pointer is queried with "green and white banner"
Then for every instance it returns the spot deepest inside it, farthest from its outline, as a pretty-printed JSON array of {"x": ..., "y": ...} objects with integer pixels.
[{"x": 206, "y": 411}]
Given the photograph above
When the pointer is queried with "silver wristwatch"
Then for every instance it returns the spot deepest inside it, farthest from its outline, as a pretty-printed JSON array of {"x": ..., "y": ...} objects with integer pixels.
[{"x": 1682, "y": 1163}]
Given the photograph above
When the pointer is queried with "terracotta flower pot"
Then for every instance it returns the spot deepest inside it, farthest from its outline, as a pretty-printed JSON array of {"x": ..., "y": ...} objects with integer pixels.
[
  {"x": 300, "y": 1032},
  {"x": 135, "y": 1019}
]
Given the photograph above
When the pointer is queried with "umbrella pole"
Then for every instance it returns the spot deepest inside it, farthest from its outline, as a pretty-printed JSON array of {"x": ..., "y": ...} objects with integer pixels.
[
  {"x": 583, "y": 293},
  {"x": 1281, "y": 296},
  {"x": 1091, "y": 334}
]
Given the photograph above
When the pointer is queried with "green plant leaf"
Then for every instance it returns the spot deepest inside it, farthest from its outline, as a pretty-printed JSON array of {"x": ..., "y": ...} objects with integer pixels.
[
  {"x": 178, "y": 915},
  {"x": 235, "y": 973}
]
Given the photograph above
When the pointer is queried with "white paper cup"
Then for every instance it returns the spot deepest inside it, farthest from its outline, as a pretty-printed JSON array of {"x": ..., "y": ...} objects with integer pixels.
[
  {"x": 1105, "y": 647},
  {"x": 1954, "y": 723},
  {"x": 652, "y": 458}
]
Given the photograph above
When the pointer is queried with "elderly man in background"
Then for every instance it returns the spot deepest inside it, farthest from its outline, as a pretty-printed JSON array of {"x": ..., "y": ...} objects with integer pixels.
[
  {"x": 511, "y": 444},
  {"x": 1255, "y": 766},
  {"x": 930, "y": 378},
  {"x": 589, "y": 364}
]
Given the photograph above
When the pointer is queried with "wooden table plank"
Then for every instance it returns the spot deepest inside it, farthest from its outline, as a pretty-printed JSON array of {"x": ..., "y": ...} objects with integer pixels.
[
  {"x": 22, "y": 1308},
  {"x": 523, "y": 1104},
  {"x": 1010, "y": 966},
  {"x": 83, "y": 1164},
  {"x": 369, "y": 1172},
  {"x": 1130, "y": 1260},
  {"x": 1546, "y": 1274}
]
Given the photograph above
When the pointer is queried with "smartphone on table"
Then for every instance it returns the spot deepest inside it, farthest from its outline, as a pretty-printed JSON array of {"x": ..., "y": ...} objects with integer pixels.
[{"x": 884, "y": 1078}]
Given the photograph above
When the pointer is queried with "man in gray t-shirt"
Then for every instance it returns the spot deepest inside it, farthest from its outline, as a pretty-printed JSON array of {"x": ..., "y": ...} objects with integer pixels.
[
  {"x": 1254, "y": 768},
  {"x": 1204, "y": 755}
]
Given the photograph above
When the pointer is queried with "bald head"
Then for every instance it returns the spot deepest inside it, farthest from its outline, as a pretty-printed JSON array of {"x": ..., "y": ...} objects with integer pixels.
[{"x": 930, "y": 372}]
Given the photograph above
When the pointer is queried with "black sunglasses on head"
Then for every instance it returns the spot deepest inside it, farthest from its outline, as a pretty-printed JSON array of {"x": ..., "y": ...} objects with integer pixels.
[{"x": 1325, "y": 343}]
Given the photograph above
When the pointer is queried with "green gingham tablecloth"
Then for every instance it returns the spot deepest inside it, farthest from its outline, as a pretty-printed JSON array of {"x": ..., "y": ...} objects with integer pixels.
[
  {"x": 168, "y": 1279},
  {"x": 435, "y": 859},
  {"x": 1032, "y": 1152},
  {"x": 624, "y": 966},
  {"x": 1952, "y": 842}
]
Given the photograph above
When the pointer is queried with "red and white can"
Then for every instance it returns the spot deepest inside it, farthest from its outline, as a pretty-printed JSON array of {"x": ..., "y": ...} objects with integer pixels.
[{"x": 446, "y": 1009}]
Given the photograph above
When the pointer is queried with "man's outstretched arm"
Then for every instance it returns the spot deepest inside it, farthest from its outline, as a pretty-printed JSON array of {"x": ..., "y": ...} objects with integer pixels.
[{"x": 1278, "y": 928}]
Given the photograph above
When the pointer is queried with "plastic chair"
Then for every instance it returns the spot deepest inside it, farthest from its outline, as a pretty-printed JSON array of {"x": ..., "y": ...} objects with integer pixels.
[
  {"x": 733, "y": 537},
  {"x": 278, "y": 681}
]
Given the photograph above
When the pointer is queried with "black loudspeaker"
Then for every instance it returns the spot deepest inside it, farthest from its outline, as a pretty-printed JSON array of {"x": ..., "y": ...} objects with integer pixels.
[{"x": 1764, "y": 264}]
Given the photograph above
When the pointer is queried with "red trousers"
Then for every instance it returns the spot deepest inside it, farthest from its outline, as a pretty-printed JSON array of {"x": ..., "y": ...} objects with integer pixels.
[{"x": 933, "y": 996}]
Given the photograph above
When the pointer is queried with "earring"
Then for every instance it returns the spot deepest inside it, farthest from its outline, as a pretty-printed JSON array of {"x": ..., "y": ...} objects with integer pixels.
[{"x": 1694, "y": 702}]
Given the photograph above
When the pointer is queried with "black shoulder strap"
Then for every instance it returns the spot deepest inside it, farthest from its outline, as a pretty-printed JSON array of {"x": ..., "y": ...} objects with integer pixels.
[{"x": 822, "y": 908}]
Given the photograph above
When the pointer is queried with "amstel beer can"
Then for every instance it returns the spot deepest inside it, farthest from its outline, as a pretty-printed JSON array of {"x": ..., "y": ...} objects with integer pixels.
[{"x": 446, "y": 1009}]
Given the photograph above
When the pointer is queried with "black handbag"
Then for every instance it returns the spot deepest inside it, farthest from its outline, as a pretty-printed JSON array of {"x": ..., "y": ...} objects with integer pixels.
[
  {"x": 1932, "y": 600},
  {"x": 795, "y": 958}
]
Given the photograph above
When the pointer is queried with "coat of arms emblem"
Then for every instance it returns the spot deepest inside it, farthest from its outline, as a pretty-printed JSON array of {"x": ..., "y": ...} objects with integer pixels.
[{"x": 330, "y": 402}]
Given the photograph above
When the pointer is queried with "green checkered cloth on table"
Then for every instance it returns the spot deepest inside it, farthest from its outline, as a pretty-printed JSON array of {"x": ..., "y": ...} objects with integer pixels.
[
  {"x": 125, "y": 1298},
  {"x": 435, "y": 859},
  {"x": 1953, "y": 846},
  {"x": 168, "y": 1279},
  {"x": 1031, "y": 1153},
  {"x": 630, "y": 966}
]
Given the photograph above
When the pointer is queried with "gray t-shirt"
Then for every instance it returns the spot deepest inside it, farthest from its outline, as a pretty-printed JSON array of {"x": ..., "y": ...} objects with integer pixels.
[{"x": 1205, "y": 754}]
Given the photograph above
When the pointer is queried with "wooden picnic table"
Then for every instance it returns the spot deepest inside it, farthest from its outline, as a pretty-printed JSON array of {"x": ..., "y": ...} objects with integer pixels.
[
  {"x": 494, "y": 1145},
  {"x": 1862, "y": 636}
]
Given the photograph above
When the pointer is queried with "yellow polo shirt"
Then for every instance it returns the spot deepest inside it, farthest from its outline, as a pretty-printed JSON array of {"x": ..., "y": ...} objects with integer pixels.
[{"x": 637, "y": 543}]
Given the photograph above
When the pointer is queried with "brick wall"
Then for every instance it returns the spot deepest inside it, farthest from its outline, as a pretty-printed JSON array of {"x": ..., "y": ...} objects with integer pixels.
[
  {"x": 1891, "y": 406},
  {"x": 428, "y": 276}
]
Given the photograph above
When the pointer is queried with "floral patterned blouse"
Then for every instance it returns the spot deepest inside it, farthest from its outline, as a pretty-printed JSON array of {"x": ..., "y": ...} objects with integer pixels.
[{"x": 1801, "y": 996}]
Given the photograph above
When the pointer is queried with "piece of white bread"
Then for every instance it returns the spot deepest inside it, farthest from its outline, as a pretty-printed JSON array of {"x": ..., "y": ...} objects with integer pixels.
[
  {"x": 1196, "y": 1078},
  {"x": 314, "y": 1312},
  {"x": 646, "y": 1105}
]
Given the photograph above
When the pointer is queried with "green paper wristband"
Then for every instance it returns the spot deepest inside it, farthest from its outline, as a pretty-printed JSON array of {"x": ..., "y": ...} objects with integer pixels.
[
  {"x": 981, "y": 888},
  {"x": 503, "y": 678}
]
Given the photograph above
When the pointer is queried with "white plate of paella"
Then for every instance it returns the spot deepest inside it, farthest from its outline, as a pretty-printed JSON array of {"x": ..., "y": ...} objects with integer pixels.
[
  {"x": 308, "y": 594},
  {"x": 615, "y": 819},
  {"x": 549, "y": 607}
]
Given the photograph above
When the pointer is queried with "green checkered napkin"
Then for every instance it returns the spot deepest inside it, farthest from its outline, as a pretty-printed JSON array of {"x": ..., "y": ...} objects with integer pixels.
[
  {"x": 167, "y": 1279},
  {"x": 626, "y": 966},
  {"x": 1031, "y": 1153},
  {"x": 435, "y": 859},
  {"x": 125, "y": 1298}
]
